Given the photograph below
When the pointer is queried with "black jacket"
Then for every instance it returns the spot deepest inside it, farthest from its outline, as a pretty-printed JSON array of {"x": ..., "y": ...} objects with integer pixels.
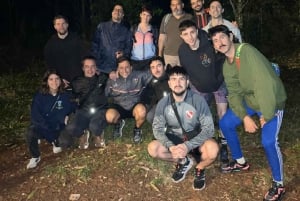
[
  {"x": 155, "y": 90},
  {"x": 90, "y": 92}
]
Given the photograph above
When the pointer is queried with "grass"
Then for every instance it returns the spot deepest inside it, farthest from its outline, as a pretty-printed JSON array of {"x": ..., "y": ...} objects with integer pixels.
[{"x": 17, "y": 89}]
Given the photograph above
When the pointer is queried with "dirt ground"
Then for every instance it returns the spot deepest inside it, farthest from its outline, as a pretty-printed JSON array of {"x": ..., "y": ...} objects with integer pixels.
[{"x": 124, "y": 172}]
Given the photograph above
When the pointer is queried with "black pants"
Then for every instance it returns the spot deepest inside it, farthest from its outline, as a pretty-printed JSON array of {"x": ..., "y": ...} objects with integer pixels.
[
  {"x": 32, "y": 136},
  {"x": 177, "y": 140},
  {"x": 83, "y": 119}
]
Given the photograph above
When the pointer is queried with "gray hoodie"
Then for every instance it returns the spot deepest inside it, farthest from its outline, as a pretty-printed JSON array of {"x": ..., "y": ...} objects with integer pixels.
[{"x": 192, "y": 112}]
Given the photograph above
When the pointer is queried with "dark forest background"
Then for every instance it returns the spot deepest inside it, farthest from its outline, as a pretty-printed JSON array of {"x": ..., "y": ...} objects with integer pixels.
[{"x": 273, "y": 26}]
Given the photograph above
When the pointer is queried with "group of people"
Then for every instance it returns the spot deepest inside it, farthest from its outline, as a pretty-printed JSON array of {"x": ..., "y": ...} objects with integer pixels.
[{"x": 167, "y": 76}]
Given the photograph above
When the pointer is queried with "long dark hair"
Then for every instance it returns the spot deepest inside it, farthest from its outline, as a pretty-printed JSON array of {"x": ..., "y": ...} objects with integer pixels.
[{"x": 44, "y": 86}]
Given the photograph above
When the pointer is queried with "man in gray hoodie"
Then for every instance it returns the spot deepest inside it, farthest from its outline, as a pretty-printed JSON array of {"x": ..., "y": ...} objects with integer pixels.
[{"x": 192, "y": 133}]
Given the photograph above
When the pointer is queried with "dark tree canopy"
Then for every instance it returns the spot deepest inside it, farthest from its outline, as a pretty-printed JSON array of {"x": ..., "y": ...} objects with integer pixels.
[{"x": 270, "y": 25}]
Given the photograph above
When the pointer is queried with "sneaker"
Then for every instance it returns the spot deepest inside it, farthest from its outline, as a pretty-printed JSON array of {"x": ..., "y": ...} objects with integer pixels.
[
  {"x": 234, "y": 166},
  {"x": 99, "y": 142},
  {"x": 84, "y": 140},
  {"x": 181, "y": 170},
  {"x": 33, "y": 162},
  {"x": 137, "y": 135},
  {"x": 118, "y": 129},
  {"x": 275, "y": 193},
  {"x": 199, "y": 180},
  {"x": 56, "y": 147}
]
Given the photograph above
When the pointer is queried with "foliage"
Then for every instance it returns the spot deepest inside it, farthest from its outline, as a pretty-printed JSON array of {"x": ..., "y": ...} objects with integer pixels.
[
  {"x": 16, "y": 91},
  {"x": 270, "y": 25}
]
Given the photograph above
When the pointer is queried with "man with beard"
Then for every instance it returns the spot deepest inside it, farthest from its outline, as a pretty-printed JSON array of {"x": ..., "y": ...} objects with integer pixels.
[
  {"x": 188, "y": 130},
  {"x": 169, "y": 39},
  {"x": 204, "y": 67},
  {"x": 253, "y": 89},
  {"x": 112, "y": 40},
  {"x": 63, "y": 51},
  {"x": 157, "y": 88},
  {"x": 201, "y": 17}
]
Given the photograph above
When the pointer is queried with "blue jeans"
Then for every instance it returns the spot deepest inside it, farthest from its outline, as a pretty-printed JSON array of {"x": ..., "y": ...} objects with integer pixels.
[{"x": 269, "y": 138}]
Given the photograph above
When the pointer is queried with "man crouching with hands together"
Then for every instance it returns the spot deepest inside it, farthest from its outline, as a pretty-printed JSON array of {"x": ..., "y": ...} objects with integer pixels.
[{"x": 192, "y": 133}]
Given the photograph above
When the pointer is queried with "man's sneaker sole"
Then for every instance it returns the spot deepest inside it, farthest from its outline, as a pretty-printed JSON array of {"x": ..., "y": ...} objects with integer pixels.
[
  {"x": 187, "y": 170},
  {"x": 235, "y": 168},
  {"x": 199, "y": 189}
]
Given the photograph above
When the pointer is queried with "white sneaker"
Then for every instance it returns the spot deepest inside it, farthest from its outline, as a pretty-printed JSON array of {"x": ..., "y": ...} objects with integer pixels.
[
  {"x": 33, "y": 162},
  {"x": 56, "y": 149}
]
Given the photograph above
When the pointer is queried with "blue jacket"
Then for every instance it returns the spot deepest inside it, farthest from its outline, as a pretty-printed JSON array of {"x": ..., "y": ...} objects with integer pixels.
[
  {"x": 109, "y": 38},
  {"x": 48, "y": 113}
]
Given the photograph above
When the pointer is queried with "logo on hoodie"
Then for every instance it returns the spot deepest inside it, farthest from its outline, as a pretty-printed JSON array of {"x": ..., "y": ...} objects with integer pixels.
[
  {"x": 189, "y": 114},
  {"x": 59, "y": 105},
  {"x": 205, "y": 60}
]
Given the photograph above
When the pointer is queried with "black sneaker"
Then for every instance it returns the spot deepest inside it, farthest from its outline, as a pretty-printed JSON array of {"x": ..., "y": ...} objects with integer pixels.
[
  {"x": 234, "y": 166},
  {"x": 137, "y": 135},
  {"x": 118, "y": 129},
  {"x": 199, "y": 180},
  {"x": 275, "y": 193},
  {"x": 181, "y": 170}
]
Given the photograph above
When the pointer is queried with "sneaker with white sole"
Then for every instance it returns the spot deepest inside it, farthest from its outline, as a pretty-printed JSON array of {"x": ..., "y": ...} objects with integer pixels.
[
  {"x": 84, "y": 140},
  {"x": 33, "y": 162},
  {"x": 199, "y": 180},
  {"x": 275, "y": 193},
  {"x": 234, "y": 166},
  {"x": 182, "y": 170}
]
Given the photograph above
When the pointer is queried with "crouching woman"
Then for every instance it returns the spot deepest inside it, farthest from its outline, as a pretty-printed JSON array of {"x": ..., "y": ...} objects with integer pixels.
[{"x": 49, "y": 113}]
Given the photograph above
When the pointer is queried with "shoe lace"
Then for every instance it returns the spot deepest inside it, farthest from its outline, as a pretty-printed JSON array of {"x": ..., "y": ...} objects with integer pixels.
[
  {"x": 197, "y": 172},
  {"x": 273, "y": 190},
  {"x": 180, "y": 168}
]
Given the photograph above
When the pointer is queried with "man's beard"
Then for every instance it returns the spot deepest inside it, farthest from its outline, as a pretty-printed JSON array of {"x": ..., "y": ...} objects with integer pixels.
[
  {"x": 199, "y": 10},
  {"x": 62, "y": 33},
  {"x": 179, "y": 93}
]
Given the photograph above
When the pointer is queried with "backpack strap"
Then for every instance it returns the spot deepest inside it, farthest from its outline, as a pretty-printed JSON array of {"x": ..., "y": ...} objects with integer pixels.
[{"x": 237, "y": 56}]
